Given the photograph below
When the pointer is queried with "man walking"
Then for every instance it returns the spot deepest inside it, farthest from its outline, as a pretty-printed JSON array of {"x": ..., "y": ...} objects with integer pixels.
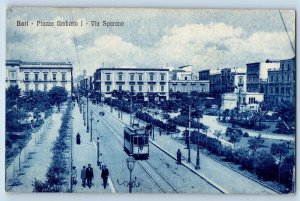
[
  {"x": 179, "y": 157},
  {"x": 83, "y": 176},
  {"x": 104, "y": 175},
  {"x": 89, "y": 175}
]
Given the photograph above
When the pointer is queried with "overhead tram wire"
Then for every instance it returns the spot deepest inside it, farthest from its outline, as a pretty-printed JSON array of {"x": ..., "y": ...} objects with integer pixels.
[{"x": 287, "y": 31}]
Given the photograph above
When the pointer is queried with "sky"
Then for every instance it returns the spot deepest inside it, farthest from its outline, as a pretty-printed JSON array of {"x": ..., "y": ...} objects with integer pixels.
[{"x": 159, "y": 38}]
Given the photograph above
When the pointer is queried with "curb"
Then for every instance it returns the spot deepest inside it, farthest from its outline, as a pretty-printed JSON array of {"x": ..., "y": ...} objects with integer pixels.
[
  {"x": 222, "y": 190},
  {"x": 200, "y": 175}
]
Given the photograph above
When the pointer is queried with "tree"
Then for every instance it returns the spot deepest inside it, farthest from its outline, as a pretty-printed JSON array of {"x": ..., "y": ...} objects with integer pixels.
[
  {"x": 234, "y": 135},
  {"x": 256, "y": 142},
  {"x": 12, "y": 95},
  {"x": 279, "y": 150},
  {"x": 287, "y": 172},
  {"x": 57, "y": 96},
  {"x": 217, "y": 133},
  {"x": 265, "y": 166}
]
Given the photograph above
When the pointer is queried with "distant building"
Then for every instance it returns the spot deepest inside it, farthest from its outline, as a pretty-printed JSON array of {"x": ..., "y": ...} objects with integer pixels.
[
  {"x": 183, "y": 80},
  {"x": 204, "y": 75},
  {"x": 189, "y": 86},
  {"x": 226, "y": 80},
  {"x": 257, "y": 74},
  {"x": 282, "y": 82},
  {"x": 39, "y": 75},
  {"x": 244, "y": 101},
  {"x": 215, "y": 81},
  {"x": 142, "y": 81}
]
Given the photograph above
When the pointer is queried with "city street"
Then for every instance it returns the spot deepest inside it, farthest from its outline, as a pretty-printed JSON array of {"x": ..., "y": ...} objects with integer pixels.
[
  {"x": 231, "y": 182},
  {"x": 159, "y": 174}
]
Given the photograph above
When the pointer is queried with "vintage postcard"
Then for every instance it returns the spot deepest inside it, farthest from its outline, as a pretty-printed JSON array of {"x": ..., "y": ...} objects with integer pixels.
[{"x": 133, "y": 100}]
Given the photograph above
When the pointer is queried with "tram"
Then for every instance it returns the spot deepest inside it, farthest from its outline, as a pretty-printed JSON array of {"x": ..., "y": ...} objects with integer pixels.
[{"x": 136, "y": 141}]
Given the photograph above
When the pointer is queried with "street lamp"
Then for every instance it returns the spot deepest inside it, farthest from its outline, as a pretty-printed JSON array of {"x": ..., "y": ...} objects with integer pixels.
[
  {"x": 98, "y": 151},
  {"x": 87, "y": 112},
  {"x": 189, "y": 147},
  {"x": 91, "y": 139},
  {"x": 83, "y": 113},
  {"x": 130, "y": 161},
  {"x": 197, "y": 167}
]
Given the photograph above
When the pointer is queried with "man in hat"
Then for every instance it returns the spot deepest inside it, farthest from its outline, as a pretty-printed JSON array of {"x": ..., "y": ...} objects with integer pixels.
[
  {"x": 104, "y": 175},
  {"x": 89, "y": 175}
]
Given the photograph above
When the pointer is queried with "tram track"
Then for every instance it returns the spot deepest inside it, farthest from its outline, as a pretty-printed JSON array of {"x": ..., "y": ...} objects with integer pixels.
[
  {"x": 163, "y": 185},
  {"x": 219, "y": 189}
]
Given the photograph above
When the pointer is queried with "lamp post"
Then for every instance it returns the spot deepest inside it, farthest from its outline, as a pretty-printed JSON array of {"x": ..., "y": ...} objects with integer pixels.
[
  {"x": 98, "y": 151},
  {"x": 87, "y": 112},
  {"x": 91, "y": 138},
  {"x": 130, "y": 161},
  {"x": 131, "y": 107},
  {"x": 189, "y": 147},
  {"x": 197, "y": 167},
  {"x": 83, "y": 113}
]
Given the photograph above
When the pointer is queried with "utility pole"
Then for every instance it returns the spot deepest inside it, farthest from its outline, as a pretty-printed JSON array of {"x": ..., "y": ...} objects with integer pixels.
[
  {"x": 87, "y": 112},
  {"x": 131, "y": 109},
  {"x": 189, "y": 147},
  {"x": 91, "y": 139}
]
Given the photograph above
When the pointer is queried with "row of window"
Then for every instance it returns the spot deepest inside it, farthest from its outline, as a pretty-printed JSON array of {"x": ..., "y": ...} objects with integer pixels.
[
  {"x": 140, "y": 88},
  {"x": 276, "y": 78},
  {"x": 36, "y": 76},
  {"x": 36, "y": 86},
  {"x": 275, "y": 90},
  {"x": 132, "y": 77}
]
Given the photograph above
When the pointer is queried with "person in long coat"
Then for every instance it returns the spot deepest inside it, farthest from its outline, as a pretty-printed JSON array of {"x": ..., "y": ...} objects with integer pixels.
[
  {"x": 83, "y": 176},
  {"x": 89, "y": 175},
  {"x": 104, "y": 175},
  {"x": 179, "y": 157},
  {"x": 78, "y": 138}
]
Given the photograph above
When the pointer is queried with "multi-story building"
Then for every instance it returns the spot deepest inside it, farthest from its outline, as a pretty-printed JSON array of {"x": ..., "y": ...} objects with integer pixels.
[
  {"x": 215, "y": 81},
  {"x": 257, "y": 74},
  {"x": 282, "y": 82},
  {"x": 183, "y": 80},
  {"x": 204, "y": 75},
  {"x": 142, "y": 81},
  {"x": 39, "y": 75},
  {"x": 243, "y": 101}
]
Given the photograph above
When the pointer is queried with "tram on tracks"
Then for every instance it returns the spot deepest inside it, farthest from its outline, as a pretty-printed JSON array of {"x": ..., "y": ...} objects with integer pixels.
[{"x": 136, "y": 141}]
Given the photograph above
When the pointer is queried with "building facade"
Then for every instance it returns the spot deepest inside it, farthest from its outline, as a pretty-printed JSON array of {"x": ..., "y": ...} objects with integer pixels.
[
  {"x": 142, "y": 81},
  {"x": 282, "y": 82},
  {"x": 226, "y": 80},
  {"x": 39, "y": 75},
  {"x": 244, "y": 101},
  {"x": 188, "y": 86},
  {"x": 182, "y": 79},
  {"x": 257, "y": 75}
]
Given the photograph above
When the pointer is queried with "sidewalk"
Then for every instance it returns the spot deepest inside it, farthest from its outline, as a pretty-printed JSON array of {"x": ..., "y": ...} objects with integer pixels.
[
  {"x": 84, "y": 154},
  {"x": 37, "y": 158},
  {"x": 228, "y": 180}
]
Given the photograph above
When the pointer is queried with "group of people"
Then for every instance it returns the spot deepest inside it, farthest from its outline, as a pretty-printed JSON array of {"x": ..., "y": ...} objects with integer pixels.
[{"x": 87, "y": 175}]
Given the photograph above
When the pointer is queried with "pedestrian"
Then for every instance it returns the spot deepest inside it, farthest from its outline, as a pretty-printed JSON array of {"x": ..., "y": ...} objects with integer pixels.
[
  {"x": 179, "y": 157},
  {"x": 89, "y": 175},
  {"x": 78, "y": 138},
  {"x": 159, "y": 131},
  {"x": 83, "y": 176},
  {"x": 101, "y": 161},
  {"x": 74, "y": 175},
  {"x": 104, "y": 175}
]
